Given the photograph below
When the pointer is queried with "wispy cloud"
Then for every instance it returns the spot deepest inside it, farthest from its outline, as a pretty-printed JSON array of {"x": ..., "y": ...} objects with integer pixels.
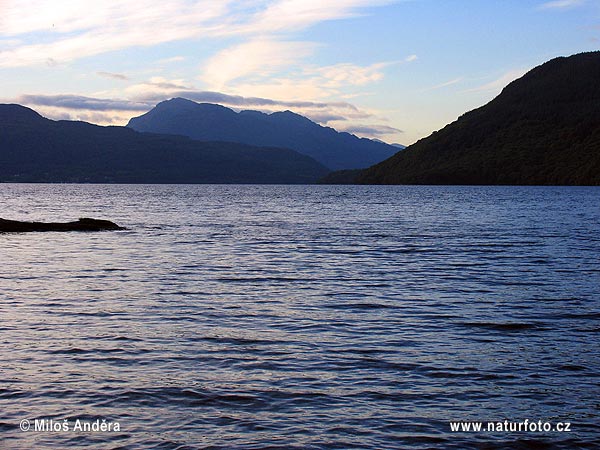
[
  {"x": 371, "y": 130},
  {"x": 262, "y": 56},
  {"x": 347, "y": 74},
  {"x": 114, "y": 76},
  {"x": 273, "y": 68},
  {"x": 286, "y": 15},
  {"x": 444, "y": 85},
  {"x": 562, "y": 4},
  {"x": 70, "y": 31},
  {"x": 171, "y": 60},
  {"x": 500, "y": 83}
]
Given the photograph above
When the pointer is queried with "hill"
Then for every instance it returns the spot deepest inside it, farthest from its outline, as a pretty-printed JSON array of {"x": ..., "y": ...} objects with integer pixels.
[
  {"x": 210, "y": 122},
  {"x": 36, "y": 149},
  {"x": 543, "y": 129}
]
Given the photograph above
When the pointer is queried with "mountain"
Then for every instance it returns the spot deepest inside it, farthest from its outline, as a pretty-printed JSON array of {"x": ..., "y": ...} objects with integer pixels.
[
  {"x": 543, "y": 129},
  {"x": 36, "y": 149},
  {"x": 210, "y": 122},
  {"x": 398, "y": 146}
]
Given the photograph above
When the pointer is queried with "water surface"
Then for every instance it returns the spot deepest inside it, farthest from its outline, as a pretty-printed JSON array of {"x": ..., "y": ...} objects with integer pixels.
[{"x": 335, "y": 317}]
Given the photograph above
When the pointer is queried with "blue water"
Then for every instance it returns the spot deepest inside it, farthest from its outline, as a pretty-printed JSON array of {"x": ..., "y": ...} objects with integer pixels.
[{"x": 301, "y": 317}]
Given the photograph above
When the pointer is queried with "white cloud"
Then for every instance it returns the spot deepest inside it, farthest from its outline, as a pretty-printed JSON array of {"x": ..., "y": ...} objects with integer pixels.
[
  {"x": 171, "y": 60},
  {"x": 285, "y": 15},
  {"x": 272, "y": 68},
  {"x": 27, "y": 16},
  {"x": 562, "y": 4},
  {"x": 262, "y": 56},
  {"x": 347, "y": 74},
  {"x": 443, "y": 85},
  {"x": 308, "y": 82},
  {"x": 69, "y": 30}
]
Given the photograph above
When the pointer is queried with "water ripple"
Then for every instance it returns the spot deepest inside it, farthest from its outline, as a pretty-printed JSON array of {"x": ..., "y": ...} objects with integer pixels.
[{"x": 302, "y": 317}]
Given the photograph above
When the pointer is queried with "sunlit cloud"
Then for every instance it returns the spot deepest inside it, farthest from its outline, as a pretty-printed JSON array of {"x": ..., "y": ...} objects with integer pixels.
[
  {"x": 347, "y": 74},
  {"x": 171, "y": 60},
  {"x": 299, "y": 80},
  {"x": 67, "y": 30},
  {"x": 278, "y": 69},
  {"x": 286, "y": 15},
  {"x": 263, "y": 56}
]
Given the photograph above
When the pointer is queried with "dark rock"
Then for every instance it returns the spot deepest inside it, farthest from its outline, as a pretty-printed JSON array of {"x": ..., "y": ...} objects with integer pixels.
[{"x": 85, "y": 224}]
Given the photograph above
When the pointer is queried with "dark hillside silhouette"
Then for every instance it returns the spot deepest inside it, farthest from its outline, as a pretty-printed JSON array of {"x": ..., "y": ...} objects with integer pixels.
[
  {"x": 35, "y": 149},
  {"x": 544, "y": 129},
  {"x": 210, "y": 122}
]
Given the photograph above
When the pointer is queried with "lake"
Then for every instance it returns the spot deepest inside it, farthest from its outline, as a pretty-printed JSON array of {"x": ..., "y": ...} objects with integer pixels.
[{"x": 301, "y": 317}]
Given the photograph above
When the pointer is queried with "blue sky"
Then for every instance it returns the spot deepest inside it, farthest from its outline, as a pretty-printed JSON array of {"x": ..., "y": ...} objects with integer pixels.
[{"x": 392, "y": 69}]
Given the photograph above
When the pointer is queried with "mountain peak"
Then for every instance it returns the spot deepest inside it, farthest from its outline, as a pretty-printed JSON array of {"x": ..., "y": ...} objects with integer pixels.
[
  {"x": 14, "y": 113},
  {"x": 562, "y": 79},
  {"x": 285, "y": 129},
  {"x": 288, "y": 115},
  {"x": 180, "y": 103}
]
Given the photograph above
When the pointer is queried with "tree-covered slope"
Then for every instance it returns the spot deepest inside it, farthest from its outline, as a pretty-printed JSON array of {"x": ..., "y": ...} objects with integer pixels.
[
  {"x": 35, "y": 149},
  {"x": 544, "y": 128}
]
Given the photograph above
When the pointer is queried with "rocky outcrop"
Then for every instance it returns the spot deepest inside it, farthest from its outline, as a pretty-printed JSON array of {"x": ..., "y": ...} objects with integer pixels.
[{"x": 85, "y": 224}]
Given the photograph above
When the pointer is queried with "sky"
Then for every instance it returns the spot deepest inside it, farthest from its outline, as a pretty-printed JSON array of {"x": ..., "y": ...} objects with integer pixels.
[{"x": 395, "y": 70}]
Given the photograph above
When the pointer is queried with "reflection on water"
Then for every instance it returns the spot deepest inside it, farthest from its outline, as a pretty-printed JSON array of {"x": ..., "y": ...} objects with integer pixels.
[{"x": 301, "y": 317}]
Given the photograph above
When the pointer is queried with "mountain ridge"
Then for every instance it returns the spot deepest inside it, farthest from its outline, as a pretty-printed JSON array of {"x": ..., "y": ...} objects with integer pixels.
[
  {"x": 543, "y": 129},
  {"x": 36, "y": 149},
  {"x": 209, "y": 121}
]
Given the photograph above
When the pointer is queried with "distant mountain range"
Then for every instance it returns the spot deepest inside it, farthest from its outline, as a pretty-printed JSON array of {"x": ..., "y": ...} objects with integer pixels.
[
  {"x": 543, "y": 129},
  {"x": 210, "y": 122},
  {"x": 36, "y": 149}
]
